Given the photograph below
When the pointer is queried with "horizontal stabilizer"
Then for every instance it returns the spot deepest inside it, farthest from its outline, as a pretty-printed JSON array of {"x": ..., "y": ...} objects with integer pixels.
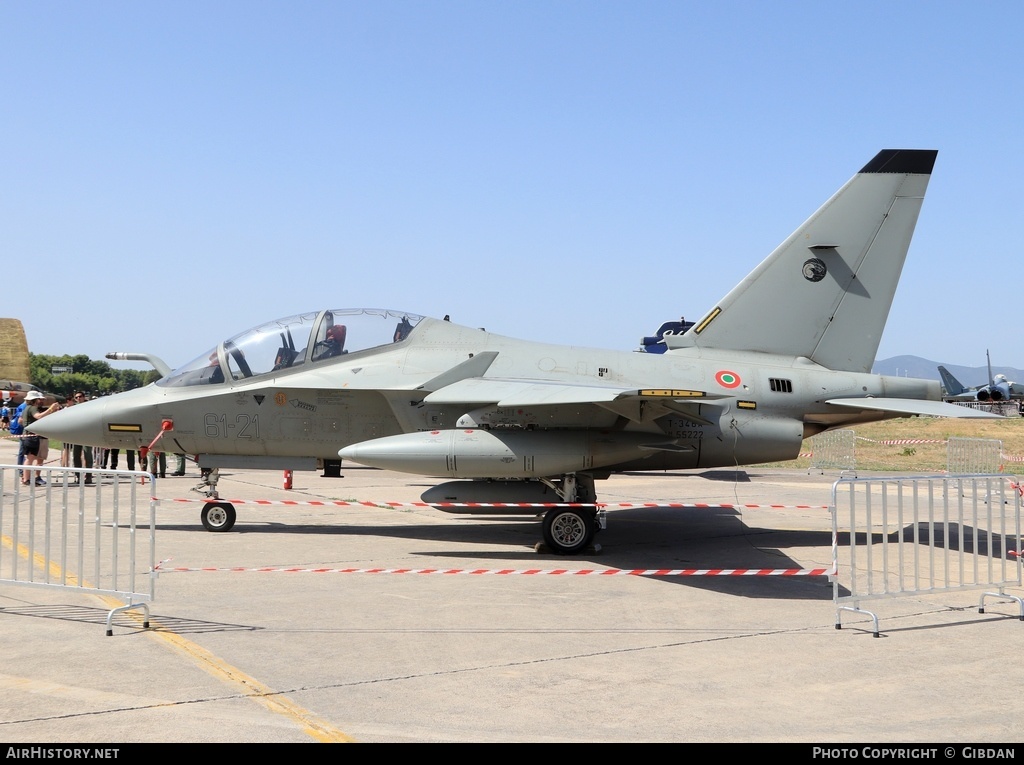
[{"x": 910, "y": 407}]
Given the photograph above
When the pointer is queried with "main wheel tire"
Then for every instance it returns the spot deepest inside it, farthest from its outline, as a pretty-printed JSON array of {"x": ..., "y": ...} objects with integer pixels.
[
  {"x": 568, "y": 530},
  {"x": 218, "y": 516}
]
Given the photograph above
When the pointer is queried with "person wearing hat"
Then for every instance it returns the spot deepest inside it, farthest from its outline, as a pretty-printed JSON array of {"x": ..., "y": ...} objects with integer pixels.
[{"x": 36, "y": 448}]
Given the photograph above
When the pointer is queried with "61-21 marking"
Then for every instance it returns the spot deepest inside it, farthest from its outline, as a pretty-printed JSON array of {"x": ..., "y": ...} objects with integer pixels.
[{"x": 244, "y": 426}]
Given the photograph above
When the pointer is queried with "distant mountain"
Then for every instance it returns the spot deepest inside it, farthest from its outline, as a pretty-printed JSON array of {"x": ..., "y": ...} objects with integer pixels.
[{"x": 915, "y": 366}]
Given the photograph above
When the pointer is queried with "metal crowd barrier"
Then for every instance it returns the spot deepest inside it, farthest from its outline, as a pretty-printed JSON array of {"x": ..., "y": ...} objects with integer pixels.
[
  {"x": 973, "y": 455},
  {"x": 898, "y": 536},
  {"x": 80, "y": 530},
  {"x": 833, "y": 450}
]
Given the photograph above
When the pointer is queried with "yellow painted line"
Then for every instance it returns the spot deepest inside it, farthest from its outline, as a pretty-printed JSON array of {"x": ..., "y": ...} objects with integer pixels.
[
  {"x": 262, "y": 694},
  {"x": 39, "y": 562}
]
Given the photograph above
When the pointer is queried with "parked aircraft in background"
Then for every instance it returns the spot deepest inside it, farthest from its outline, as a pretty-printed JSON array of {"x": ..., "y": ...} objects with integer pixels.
[
  {"x": 14, "y": 361},
  {"x": 784, "y": 355},
  {"x": 998, "y": 388},
  {"x": 14, "y": 392},
  {"x": 954, "y": 389},
  {"x": 15, "y": 368}
]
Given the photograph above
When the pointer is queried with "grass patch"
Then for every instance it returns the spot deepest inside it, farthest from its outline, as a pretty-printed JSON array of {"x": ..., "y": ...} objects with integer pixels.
[{"x": 871, "y": 453}]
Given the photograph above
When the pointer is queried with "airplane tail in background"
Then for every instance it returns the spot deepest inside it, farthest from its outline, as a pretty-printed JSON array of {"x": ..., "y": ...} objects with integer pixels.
[
  {"x": 825, "y": 292},
  {"x": 953, "y": 386},
  {"x": 14, "y": 361}
]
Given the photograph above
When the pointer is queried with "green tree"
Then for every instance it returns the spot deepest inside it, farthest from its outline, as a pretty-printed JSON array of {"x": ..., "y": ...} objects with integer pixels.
[{"x": 96, "y": 378}]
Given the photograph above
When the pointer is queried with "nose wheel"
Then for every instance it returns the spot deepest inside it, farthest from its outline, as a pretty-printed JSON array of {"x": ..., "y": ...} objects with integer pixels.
[{"x": 218, "y": 516}]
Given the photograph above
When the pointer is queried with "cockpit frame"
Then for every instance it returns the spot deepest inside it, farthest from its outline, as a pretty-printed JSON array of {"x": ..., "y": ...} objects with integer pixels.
[{"x": 299, "y": 340}]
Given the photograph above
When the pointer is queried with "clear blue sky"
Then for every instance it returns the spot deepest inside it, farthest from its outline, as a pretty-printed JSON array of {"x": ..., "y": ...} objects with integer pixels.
[{"x": 574, "y": 172}]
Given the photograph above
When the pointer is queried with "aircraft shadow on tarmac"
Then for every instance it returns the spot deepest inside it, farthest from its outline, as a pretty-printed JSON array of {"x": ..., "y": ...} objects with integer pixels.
[
  {"x": 729, "y": 476},
  {"x": 648, "y": 538}
]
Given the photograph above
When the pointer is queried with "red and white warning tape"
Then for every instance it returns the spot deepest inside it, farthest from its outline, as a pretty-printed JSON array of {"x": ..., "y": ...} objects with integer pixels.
[
  {"x": 708, "y": 504},
  {"x": 524, "y": 505},
  {"x": 523, "y": 572},
  {"x": 901, "y": 441}
]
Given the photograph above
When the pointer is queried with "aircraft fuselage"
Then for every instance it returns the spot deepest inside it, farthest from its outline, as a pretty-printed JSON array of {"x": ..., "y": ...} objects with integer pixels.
[{"x": 705, "y": 408}]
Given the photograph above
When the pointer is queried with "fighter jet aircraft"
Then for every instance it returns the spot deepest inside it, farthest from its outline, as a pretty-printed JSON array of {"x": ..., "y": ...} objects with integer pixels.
[
  {"x": 784, "y": 355},
  {"x": 14, "y": 392},
  {"x": 998, "y": 388}
]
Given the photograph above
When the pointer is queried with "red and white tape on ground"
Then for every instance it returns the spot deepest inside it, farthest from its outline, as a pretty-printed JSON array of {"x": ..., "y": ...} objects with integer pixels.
[
  {"x": 523, "y": 571},
  {"x": 524, "y": 505},
  {"x": 901, "y": 441}
]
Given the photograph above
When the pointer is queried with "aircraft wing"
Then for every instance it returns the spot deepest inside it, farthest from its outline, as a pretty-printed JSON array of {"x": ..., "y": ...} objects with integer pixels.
[
  {"x": 481, "y": 391},
  {"x": 913, "y": 406},
  {"x": 511, "y": 392},
  {"x": 638, "y": 404}
]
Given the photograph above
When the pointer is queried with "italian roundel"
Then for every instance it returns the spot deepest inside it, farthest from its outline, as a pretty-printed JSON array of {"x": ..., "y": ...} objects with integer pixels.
[{"x": 727, "y": 379}]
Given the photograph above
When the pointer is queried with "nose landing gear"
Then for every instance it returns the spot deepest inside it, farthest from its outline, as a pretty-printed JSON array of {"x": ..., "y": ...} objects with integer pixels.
[{"x": 216, "y": 515}]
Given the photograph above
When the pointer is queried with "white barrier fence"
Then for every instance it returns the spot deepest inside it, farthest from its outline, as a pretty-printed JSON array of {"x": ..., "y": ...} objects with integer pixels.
[
  {"x": 973, "y": 455},
  {"x": 88, "y": 537},
  {"x": 900, "y": 536},
  {"x": 834, "y": 450}
]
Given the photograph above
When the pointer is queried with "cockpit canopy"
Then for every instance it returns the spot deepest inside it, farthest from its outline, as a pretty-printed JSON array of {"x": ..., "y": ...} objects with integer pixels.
[{"x": 307, "y": 338}]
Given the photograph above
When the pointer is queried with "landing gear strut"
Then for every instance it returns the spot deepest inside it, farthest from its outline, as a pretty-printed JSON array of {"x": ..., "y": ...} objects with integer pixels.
[{"x": 208, "y": 485}]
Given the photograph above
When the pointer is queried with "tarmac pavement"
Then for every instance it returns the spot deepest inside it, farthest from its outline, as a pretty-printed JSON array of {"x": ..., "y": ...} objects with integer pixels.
[{"x": 318, "y": 653}]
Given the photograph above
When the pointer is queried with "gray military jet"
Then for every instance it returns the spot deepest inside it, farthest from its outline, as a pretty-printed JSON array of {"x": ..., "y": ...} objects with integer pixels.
[
  {"x": 785, "y": 355},
  {"x": 999, "y": 388}
]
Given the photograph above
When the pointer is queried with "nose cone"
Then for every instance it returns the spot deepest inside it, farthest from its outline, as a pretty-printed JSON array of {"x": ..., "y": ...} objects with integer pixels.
[{"x": 79, "y": 424}]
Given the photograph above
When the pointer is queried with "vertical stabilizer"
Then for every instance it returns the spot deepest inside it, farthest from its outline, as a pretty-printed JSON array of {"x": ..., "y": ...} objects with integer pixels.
[
  {"x": 14, "y": 363},
  {"x": 953, "y": 386},
  {"x": 825, "y": 292}
]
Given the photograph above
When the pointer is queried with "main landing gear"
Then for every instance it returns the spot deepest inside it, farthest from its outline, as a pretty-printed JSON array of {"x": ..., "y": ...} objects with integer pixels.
[{"x": 571, "y": 530}]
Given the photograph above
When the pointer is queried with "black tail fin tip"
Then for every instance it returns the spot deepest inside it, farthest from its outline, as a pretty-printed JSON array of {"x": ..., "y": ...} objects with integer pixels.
[{"x": 917, "y": 161}]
